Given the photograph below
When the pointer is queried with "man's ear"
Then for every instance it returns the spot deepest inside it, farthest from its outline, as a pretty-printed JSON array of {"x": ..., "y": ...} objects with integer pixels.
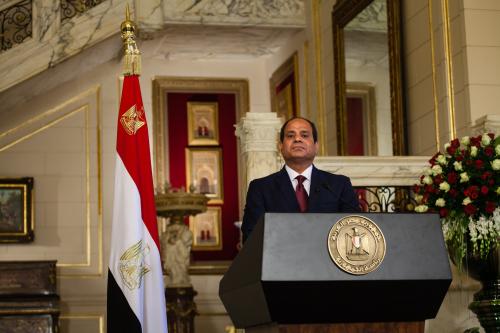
[
  {"x": 280, "y": 145},
  {"x": 316, "y": 145}
]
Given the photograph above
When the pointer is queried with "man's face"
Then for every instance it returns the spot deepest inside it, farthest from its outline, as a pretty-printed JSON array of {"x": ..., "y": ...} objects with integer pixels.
[{"x": 298, "y": 144}]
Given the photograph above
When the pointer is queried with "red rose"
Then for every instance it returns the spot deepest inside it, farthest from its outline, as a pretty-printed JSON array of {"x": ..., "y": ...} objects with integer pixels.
[
  {"x": 443, "y": 212},
  {"x": 451, "y": 150},
  {"x": 479, "y": 164},
  {"x": 475, "y": 141},
  {"x": 486, "y": 175},
  {"x": 488, "y": 151},
  {"x": 455, "y": 143},
  {"x": 452, "y": 177},
  {"x": 453, "y": 193},
  {"x": 459, "y": 158},
  {"x": 491, "y": 182},
  {"x": 491, "y": 135},
  {"x": 438, "y": 179},
  {"x": 429, "y": 189},
  {"x": 470, "y": 209},
  {"x": 484, "y": 190},
  {"x": 416, "y": 188},
  {"x": 490, "y": 207},
  {"x": 469, "y": 162},
  {"x": 432, "y": 161},
  {"x": 472, "y": 192}
]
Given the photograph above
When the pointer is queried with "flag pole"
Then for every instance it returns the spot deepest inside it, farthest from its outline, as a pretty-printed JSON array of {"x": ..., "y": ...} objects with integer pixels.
[{"x": 135, "y": 297}]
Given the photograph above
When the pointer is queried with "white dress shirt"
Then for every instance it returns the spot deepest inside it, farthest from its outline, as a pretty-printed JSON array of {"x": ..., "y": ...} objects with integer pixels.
[{"x": 293, "y": 174}]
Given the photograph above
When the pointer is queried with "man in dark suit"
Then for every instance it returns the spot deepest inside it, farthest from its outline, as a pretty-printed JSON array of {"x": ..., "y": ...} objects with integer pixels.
[{"x": 298, "y": 186}]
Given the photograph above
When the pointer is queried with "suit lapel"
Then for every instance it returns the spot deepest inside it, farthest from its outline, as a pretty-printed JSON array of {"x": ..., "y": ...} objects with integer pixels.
[
  {"x": 315, "y": 190},
  {"x": 285, "y": 188}
]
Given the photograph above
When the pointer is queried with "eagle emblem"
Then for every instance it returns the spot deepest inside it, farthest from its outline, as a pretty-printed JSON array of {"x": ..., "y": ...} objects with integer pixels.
[
  {"x": 132, "y": 267},
  {"x": 132, "y": 120}
]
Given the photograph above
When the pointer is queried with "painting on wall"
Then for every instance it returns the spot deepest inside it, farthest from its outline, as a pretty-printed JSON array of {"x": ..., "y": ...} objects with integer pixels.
[
  {"x": 203, "y": 129},
  {"x": 284, "y": 85},
  {"x": 16, "y": 218},
  {"x": 204, "y": 172},
  {"x": 206, "y": 229}
]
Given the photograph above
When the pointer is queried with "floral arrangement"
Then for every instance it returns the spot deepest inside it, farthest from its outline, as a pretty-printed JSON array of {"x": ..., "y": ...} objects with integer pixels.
[{"x": 463, "y": 186}]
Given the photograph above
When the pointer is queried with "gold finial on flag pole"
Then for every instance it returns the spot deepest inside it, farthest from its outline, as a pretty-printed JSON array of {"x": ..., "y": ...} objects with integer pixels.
[{"x": 132, "y": 55}]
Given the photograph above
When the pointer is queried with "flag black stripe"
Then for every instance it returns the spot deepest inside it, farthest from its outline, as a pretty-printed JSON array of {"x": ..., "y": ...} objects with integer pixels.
[{"x": 121, "y": 318}]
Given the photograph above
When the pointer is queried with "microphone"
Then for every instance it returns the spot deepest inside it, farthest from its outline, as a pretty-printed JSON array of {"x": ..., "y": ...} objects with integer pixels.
[{"x": 353, "y": 209}]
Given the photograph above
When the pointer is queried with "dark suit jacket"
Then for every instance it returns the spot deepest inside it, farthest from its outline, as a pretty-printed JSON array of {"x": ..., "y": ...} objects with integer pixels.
[{"x": 329, "y": 193}]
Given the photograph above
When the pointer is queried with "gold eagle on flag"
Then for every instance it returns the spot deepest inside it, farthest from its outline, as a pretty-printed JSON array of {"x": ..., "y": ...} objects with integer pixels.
[
  {"x": 132, "y": 120},
  {"x": 132, "y": 267}
]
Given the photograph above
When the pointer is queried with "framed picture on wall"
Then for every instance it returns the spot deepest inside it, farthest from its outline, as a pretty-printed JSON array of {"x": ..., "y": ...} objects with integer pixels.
[
  {"x": 204, "y": 172},
  {"x": 207, "y": 230},
  {"x": 203, "y": 128},
  {"x": 16, "y": 210},
  {"x": 284, "y": 86},
  {"x": 284, "y": 102}
]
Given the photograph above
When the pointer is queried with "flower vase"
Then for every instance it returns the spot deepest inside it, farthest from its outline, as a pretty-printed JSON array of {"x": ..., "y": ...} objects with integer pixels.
[{"x": 486, "y": 303}]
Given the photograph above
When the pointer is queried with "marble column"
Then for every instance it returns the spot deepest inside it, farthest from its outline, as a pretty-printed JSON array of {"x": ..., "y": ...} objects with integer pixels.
[{"x": 258, "y": 134}]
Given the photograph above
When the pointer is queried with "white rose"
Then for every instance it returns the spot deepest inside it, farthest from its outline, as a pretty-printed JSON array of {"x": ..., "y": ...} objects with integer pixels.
[
  {"x": 440, "y": 202},
  {"x": 444, "y": 186},
  {"x": 427, "y": 180},
  {"x": 497, "y": 149},
  {"x": 464, "y": 177},
  {"x": 446, "y": 146},
  {"x": 466, "y": 201},
  {"x": 485, "y": 140},
  {"x": 441, "y": 159},
  {"x": 457, "y": 165},
  {"x": 473, "y": 151},
  {"x": 498, "y": 190},
  {"x": 465, "y": 140},
  {"x": 496, "y": 164},
  {"x": 421, "y": 208},
  {"x": 437, "y": 170},
  {"x": 418, "y": 198},
  {"x": 427, "y": 171}
]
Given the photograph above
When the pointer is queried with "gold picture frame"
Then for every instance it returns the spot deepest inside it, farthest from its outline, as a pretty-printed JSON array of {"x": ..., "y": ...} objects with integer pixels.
[
  {"x": 203, "y": 123},
  {"x": 284, "y": 88},
  {"x": 204, "y": 172},
  {"x": 16, "y": 210},
  {"x": 207, "y": 230}
]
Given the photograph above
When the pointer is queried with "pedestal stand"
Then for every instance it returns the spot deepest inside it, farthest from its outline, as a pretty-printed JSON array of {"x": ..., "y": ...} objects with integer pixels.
[{"x": 181, "y": 309}]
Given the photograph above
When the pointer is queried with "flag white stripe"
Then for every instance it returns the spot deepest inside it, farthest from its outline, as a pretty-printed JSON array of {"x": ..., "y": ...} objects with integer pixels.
[{"x": 127, "y": 229}]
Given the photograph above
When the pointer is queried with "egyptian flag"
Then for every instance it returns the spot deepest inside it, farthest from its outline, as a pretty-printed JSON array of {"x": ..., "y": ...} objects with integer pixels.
[{"x": 136, "y": 297}]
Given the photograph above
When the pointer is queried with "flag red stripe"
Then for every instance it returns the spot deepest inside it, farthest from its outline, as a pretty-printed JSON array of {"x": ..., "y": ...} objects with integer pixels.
[{"x": 133, "y": 148}]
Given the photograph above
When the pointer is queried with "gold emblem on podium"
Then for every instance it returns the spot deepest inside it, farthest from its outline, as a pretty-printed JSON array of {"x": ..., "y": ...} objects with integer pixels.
[{"x": 356, "y": 245}]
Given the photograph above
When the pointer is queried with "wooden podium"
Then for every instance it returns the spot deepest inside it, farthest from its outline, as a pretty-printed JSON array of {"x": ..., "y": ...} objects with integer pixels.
[{"x": 284, "y": 280}]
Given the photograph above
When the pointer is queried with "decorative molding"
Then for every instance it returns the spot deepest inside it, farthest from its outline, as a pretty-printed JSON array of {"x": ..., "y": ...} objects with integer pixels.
[
  {"x": 277, "y": 13},
  {"x": 375, "y": 170},
  {"x": 88, "y": 103},
  {"x": 434, "y": 80},
  {"x": 486, "y": 124},
  {"x": 449, "y": 69}
]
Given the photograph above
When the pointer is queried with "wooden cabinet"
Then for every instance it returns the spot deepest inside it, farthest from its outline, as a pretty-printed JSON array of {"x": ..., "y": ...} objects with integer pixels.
[{"x": 28, "y": 297}]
